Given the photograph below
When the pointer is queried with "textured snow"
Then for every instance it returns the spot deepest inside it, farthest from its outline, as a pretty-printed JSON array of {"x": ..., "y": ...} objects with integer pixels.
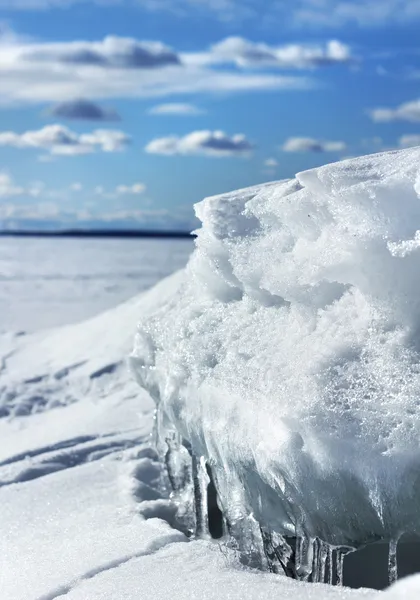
[
  {"x": 201, "y": 571},
  {"x": 290, "y": 357},
  {"x": 77, "y": 470}
]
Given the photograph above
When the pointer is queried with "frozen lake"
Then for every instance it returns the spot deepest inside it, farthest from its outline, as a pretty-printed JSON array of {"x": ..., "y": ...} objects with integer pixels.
[{"x": 50, "y": 282}]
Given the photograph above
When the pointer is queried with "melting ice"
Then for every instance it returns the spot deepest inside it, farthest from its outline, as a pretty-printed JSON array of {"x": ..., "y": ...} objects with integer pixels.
[{"x": 288, "y": 361}]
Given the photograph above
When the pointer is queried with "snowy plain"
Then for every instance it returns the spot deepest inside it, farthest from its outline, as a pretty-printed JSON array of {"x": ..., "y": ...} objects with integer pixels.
[
  {"x": 46, "y": 283},
  {"x": 83, "y": 515}
]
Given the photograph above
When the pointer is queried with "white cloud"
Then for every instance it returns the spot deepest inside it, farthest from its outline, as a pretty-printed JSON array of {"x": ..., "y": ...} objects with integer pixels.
[
  {"x": 50, "y": 215},
  {"x": 9, "y": 189},
  {"x": 110, "y": 53},
  {"x": 271, "y": 163},
  {"x": 407, "y": 141},
  {"x": 302, "y": 144},
  {"x": 176, "y": 108},
  {"x": 245, "y": 53},
  {"x": 133, "y": 190},
  {"x": 83, "y": 110},
  {"x": 59, "y": 72},
  {"x": 208, "y": 143},
  {"x": 408, "y": 111},
  {"x": 76, "y": 187},
  {"x": 59, "y": 140}
]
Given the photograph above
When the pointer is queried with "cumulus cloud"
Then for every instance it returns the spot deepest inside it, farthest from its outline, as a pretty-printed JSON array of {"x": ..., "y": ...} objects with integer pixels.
[
  {"x": 302, "y": 144},
  {"x": 409, "y": 140},
  {"x": 117, "y": 68},
  {"x": 176, "y": 108},
  {"x": 59, "y": 140},
  {"x": 83, "y": 110},
  {"x": 111, "y": 52},
  {"x": 408, "y": 111},
  {"x": 245, "y": 53},
  {"x": 208, "y": 143}
]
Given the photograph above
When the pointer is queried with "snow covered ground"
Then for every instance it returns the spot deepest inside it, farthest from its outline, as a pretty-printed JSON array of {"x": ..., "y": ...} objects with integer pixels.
[
  {"x": 45, "y": 283},
  {"x": 83, "y": 512}
]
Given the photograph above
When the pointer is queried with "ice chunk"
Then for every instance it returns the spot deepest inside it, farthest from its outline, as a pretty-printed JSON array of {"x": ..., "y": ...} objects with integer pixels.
[{"x": 289, "y": 358}]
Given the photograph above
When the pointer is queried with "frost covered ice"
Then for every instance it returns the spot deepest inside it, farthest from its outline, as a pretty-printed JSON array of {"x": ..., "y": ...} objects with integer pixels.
[{"x": 288, "y": 364}]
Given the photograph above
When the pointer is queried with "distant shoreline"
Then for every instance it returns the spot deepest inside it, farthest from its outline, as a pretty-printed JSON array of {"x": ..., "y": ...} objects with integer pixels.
[{"x": 99, "y": 233}]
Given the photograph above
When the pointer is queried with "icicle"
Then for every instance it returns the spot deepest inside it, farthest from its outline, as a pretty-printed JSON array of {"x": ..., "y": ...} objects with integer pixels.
[
  {"x": 177, "y": 462},
  {"x": 278, "y": 553},
  {"x": 330, "y": 565},
  {"x": 392, "y": 561},
  {"x": 248, "y": 534},
  {"x": 339, "y": 562},
  {"x": 339, "y": 559},
  {"x": 201, "y": 481},
  {"x": 304, "y": 557},
  {"x": 319, "y": 561},
  {"x": 284, "y": 554},
  {"x": 315, "y": 560},
  {"x": 269, "y": 550}
]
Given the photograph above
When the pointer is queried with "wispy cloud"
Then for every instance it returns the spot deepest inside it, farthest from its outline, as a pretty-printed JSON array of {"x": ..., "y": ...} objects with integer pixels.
[
  {"x": 176, "y": 109},
  {"x": 10, "y": 189},
  {"x": 300, "y": 13},
  {"x": 51, "y": 215},
  {"x": 82, "y": 110},
  {"x": 60, "y": 140},
  {"x": 408, "y": 111},
  {"x": 364, "y": 13},
  {"x": 409, "y": 140},
  {"x": 207, "y": 143},
  {"x": 121, "y": 191},
  {"x": 134, "y": 189},
  {"x": 271, "y": 163},
  {"x": 302, "y": 144}
]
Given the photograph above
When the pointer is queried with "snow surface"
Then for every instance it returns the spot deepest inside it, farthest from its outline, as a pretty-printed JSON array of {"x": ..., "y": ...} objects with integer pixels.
[
  {"x": 290, "y": 359},
  {"x": 58, "y": 281}
]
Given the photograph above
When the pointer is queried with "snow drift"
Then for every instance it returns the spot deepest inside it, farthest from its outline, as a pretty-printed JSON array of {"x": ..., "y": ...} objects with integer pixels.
[{"x": 289, "y": 358}]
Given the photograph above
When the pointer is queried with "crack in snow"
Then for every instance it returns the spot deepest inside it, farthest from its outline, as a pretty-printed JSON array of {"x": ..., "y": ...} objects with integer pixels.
[{"x": 152, "y": 548}]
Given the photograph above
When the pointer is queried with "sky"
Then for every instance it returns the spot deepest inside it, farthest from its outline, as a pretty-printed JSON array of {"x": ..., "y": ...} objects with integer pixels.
[{"x": 124, "y": 113}]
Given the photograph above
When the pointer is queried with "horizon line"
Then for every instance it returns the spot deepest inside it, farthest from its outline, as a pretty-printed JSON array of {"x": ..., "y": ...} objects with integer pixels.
[{"x": 97, "y": 233}]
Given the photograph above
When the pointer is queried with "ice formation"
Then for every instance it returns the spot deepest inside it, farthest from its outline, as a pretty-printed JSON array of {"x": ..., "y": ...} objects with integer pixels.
[{"x": 287, "y": 364}]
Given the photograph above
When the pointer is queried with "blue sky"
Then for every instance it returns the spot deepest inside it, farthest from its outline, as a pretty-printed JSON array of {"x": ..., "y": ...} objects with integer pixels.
[{"x": 126, "y": 112}]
